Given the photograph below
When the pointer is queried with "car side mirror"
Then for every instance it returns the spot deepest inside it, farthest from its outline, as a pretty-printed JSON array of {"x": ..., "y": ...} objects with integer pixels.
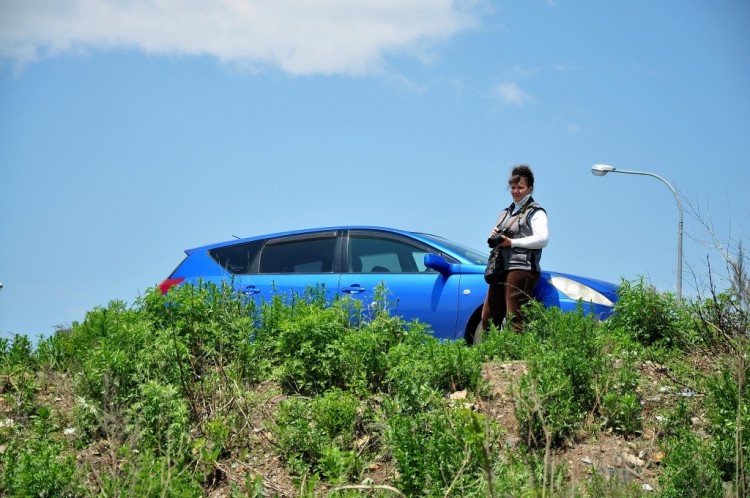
[{"x": 437, "y": 262}]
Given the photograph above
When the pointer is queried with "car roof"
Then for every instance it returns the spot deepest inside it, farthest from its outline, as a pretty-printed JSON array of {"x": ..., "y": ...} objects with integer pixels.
[{"x": 306, "y": 231}]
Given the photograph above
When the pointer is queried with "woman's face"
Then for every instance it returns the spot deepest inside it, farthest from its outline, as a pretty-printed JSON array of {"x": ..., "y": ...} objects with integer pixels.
[{"x": 519, "y": 189}]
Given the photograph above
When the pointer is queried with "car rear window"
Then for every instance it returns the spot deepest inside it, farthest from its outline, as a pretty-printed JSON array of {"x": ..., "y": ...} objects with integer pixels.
[{"x": 236, "y": 258}]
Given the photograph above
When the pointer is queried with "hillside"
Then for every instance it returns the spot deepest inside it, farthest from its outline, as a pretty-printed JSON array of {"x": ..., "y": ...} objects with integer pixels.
[{"x": 172, "y": 399}]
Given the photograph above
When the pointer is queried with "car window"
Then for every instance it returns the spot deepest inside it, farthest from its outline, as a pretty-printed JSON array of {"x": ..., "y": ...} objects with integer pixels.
[
  {"x": 309, "y": 255},
  {"x": 383, "y": 254},
  {"x": 236, "y": 258},
  {"x": 473, "y": 255}
]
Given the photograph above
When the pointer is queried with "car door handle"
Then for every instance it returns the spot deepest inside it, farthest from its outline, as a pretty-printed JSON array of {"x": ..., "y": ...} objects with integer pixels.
[
  {"x": 353, "y": 289},
  {"x": 250, "y": 290}
]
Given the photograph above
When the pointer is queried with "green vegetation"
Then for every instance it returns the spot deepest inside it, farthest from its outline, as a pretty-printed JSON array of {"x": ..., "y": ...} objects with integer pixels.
[{"x": 198, "y": 394}]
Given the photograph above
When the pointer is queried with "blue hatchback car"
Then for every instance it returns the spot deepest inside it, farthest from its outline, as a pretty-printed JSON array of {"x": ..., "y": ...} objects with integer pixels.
[{"x": 428, "y": 278}]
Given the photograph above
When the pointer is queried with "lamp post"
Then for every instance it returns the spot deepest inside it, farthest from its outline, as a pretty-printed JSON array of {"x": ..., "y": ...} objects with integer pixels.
[{"x": 603, "y": 169}]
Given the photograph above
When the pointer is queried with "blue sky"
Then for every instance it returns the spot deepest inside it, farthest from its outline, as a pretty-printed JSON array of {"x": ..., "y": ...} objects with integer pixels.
[{"x": 131, "y": 131}]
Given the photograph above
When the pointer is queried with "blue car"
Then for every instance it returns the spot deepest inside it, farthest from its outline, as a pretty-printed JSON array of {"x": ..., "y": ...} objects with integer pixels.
[{"x": 427, "y": 277}]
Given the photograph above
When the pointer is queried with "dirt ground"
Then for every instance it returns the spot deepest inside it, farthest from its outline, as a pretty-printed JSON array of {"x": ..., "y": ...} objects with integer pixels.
[{"x": 611, "y": 455}]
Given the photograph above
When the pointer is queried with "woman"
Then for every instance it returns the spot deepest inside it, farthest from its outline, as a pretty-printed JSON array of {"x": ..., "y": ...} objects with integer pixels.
[{"x": 520, "y": 233}]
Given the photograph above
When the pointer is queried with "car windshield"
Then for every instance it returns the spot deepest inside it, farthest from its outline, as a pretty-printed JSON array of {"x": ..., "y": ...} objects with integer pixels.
[{"x": 476, "y": 257}]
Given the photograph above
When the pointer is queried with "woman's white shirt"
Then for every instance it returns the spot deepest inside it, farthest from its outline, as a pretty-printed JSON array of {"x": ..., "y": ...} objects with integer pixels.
[{"x": 539, "y": 230}]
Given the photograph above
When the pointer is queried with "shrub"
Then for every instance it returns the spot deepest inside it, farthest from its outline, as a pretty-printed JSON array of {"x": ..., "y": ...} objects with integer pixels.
[
  {"x": 409, "y": 380},
  {"x": 649, "y": 315},
  {"x": 689, "y": 470},
  {"x": 728, "y": 417},
  {"x": 546, "y": 407},
  {"x": 500, "y": 345},
  {"x": 300, "y": 440},
  {"x": 318, "y": 435},
  {"x": 365, "y": 352},
  {"x": 161, "y": 416},
  {"x": 19, "y": 387},
  {"x": 149, "y": 475},
  {"x": 308, "y": 348},
  {"x": 363, "y": 357},
  {"x": 17, "y": 352},
  {"x": 438, "y": 449},
  {"x": 207, "y": 325},
  {"x": 50, "y": 353},
  {"x": 559, "y": 388},
  {"x": 622, "y": 412},
  {"x": 420, "y": 368},
  {"x": 722, "y": 321},
  {"x": 456, "y": 365},
  {"x": 335, "y": 412},
  {"x": 677, "y": 420},
  {"x": 619, "y": 402},
  {"x": 169, "y": 387},
  {"x": 511, "y": 476},
  {"x": 39, "y": 465},
  {"x": 104, "y": 354}
]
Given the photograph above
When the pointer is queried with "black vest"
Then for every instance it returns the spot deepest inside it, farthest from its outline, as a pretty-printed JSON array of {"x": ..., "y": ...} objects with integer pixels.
[{"x": 518, "y": 258}]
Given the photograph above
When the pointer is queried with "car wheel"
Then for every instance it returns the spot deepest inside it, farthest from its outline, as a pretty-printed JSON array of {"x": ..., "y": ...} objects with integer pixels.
[
  {"x": 474, "y": 333},
  {"x": 478, "y": 334}
]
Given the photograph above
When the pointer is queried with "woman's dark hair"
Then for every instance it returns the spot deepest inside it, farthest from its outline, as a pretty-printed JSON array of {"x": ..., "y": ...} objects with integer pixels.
[{"x": 521, "y": 171}]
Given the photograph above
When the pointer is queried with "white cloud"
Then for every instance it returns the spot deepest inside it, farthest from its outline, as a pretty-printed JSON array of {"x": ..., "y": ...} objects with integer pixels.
[
  {"x": 511, "y": 94},
  {"x": 297, "y": 36}
]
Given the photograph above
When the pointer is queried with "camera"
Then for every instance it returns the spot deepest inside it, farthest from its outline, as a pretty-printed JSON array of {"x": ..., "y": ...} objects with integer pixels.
[{"x": 497, "y": 239}]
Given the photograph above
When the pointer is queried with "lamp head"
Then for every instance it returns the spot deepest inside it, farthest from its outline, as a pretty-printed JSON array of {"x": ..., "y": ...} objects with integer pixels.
[{"x": 601, "y": 169}]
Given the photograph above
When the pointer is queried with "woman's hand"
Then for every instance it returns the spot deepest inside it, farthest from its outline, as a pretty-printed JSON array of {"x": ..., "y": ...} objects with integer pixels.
[{"x": 506, "y": 240}]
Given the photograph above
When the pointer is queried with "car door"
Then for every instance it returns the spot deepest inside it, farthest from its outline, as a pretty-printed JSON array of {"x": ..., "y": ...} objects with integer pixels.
[
  {"x": 290, "y": 265},
  {"x": 413, "y": 291}
]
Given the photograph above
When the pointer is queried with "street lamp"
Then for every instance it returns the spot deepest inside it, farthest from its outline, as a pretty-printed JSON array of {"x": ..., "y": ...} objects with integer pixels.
[{"x": 603, "y": 169}]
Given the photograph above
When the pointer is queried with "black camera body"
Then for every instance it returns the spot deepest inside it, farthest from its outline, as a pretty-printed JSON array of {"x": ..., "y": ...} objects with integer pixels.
[{"x": 497, "y": 239}]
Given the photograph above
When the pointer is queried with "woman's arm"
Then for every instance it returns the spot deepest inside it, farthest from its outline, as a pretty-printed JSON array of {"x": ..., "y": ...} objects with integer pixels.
[{"x": 539, "y": 230}]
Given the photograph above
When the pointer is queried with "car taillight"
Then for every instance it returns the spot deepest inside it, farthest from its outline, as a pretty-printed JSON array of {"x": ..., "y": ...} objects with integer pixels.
[{"x": 169, "y": 283}]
